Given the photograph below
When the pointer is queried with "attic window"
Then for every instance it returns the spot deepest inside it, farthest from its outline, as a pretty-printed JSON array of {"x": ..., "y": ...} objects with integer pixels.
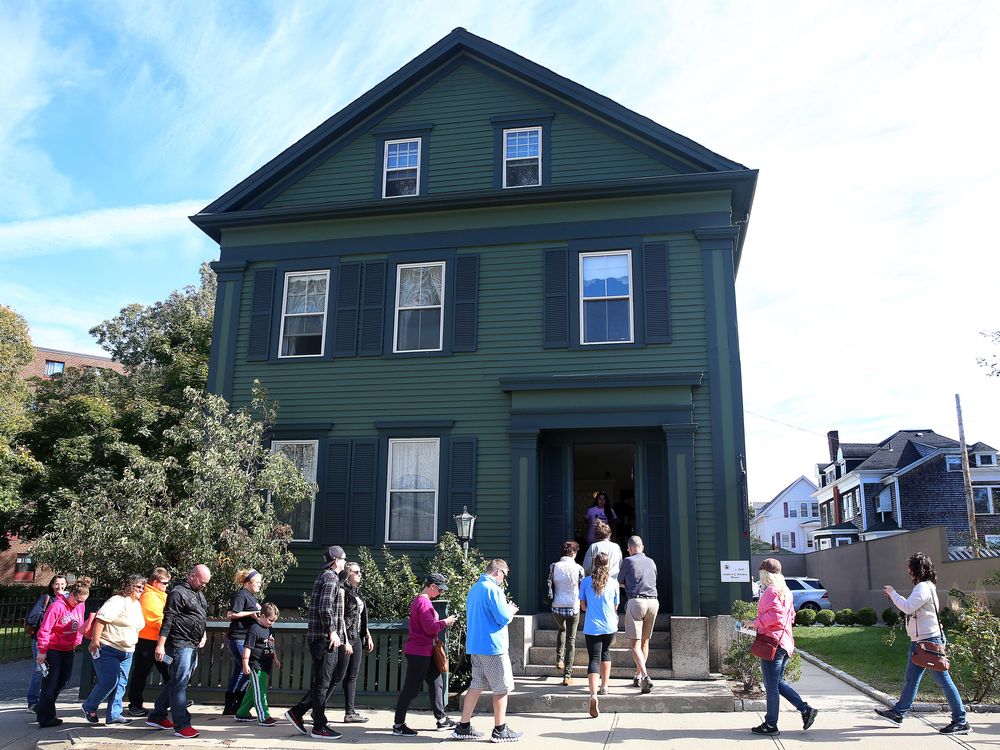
[
  {"x": 986, "y": 459},
  {"x": 522, "y": 157},
  {"x": 953, "y": 463},
  {"x": 401, "y": 175}
]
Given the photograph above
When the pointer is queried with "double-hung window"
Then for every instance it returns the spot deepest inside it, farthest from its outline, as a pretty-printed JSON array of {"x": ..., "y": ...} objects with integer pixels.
[
  {"x": 953, "y": 463},
  {"x": 606, "y": 313},
  {"x": 303, "y": 314},
  {"x": 54, "y": 368},
  {"x": 986, "y": 499},
  {"x": 522, "y": 157},
  {"x": 401, "y": 172},
  {"x": 302, "y": 453},
  {"x": 412, "y": 490},
  {"x": 419, "y": 320}
]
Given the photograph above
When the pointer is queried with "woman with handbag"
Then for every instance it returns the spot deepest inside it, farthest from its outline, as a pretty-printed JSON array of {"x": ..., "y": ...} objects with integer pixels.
[
  {"x": 927, "y": 647},
  {"x": 424, "y": 629},
  {"x": 774, "y": 645}
]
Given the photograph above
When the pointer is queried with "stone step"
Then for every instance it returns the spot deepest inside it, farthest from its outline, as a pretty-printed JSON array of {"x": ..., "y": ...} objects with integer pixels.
[
  {"x": 548, "y": 638},
  {"x": 620, "y": 657},
  {"x": 544, "y": 621},
  {"x": 546, "y": 695},
  {"x": 580, "y": 672}
]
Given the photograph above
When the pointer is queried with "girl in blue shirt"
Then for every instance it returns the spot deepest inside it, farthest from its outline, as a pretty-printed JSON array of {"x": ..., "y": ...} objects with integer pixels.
[{"x": 599, "y": 599}]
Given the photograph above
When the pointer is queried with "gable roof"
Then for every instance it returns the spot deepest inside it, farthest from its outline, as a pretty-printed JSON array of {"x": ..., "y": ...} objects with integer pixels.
[
  {"x": 767, "y": 506},
  {"x": 707, "y": 169}
]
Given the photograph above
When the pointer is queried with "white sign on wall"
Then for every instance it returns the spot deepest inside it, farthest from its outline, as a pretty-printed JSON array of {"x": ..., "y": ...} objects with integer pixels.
[{"x": 735, "y": 571}]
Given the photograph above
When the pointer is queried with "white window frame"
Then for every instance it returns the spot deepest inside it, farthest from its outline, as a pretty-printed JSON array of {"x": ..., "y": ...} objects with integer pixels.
[
  {"x": 284, "y": 303},
  {"x": 840, "y": 541},
  {"x": 631, "y": 296},
  {"x": 275, "y": 446},
  {"x": 385, "y": 164},
  {"x": 803, "y": 509},
  {"x": 992, "y": 539},
  {"x": 948, "y": 463},
  {"x": 990, "y": 456},
  {"x": 993, "y": 507},
  {"x": 395, "y": 322},
  {"x": 389, "y": 490},
  {"x": 793, "y": 511},
  {"x": 56, "y": 368},
  {"x": 537, "y": 128},
  {"x": 785, "y": 540},
  {"x": 814, "y": 509}
]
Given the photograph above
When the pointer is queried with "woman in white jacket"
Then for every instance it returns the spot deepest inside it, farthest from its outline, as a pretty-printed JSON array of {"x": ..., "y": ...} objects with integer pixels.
[{"x": 923, "y": 624}]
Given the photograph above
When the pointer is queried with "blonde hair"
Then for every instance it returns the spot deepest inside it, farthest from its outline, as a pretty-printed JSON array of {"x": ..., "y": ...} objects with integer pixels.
[
  {"x": 243, "y": 577},
  {"x": 80, "y": 587},
  {"x": 602, "y": 570},
  {"x": 776, "y": 581}
]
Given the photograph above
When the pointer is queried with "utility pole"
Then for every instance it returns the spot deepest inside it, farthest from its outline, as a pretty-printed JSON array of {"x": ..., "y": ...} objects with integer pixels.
[{"x": 970, "y": 505}]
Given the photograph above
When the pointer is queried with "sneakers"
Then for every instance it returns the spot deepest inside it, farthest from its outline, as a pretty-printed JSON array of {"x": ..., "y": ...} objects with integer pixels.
[
  {"x": 270, "y": 721},
  {"x": 188, "y": 733},
  {"x": 90, "y": 716},
  {"x": 602, "y": 690},
  {"x": 355, "y": 718},
  {"x": 243, "y": 718},
  {"x": 446, "y": 723},
  {"x": 889, "y": 715},
  {"x": 401, "y": 730},
  {"x": 956, "y": 727},
  {"x": 465, "y": 732},
  {"x": 325, "y": 733},
  {"x": 636, "y": 682},
  {"x": 161, "y": 724},
  {"x": 140, "y": 711},
  {"x": 764, "y": 728},
  {"x": 567, "y": 681},
  {"x": 504, "y": 735},
  {"x": 296, "y": 722},
  {"x": 595, "y": 709},
  {"x": 121, "y": 721},
  {"x": 560, "y": 666},
  {"x": 31, "y": 708},
  {"x": 645, "y": 684},
  {"x": 808, "y": 717}
]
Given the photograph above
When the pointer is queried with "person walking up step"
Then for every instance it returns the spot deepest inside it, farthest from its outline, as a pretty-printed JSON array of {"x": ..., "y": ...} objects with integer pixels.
[{"x": 638, "y": 578}]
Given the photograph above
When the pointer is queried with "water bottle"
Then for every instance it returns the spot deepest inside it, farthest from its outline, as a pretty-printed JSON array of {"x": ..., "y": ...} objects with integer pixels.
[{"x": 44, "y": 669}]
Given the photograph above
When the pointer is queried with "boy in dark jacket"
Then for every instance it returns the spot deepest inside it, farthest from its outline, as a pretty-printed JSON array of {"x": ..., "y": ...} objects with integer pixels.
[{"x": 258, "y": 659}]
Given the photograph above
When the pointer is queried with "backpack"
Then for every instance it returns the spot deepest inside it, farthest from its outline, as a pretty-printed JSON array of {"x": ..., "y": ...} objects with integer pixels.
[{"x": 34, "y": 618}]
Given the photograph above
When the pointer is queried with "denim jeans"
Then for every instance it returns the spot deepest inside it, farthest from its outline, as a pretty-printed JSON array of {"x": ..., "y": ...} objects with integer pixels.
[
  {"x": 566, "y": 641},
  {"x": 238, "y": 680},
  {"x": 112, "y": 675},
  {"x": 142, "y": 664},
  {"x": 60, "y": 669},
  {"x": 174, "y": 693},
  {"x": 35, "y": 684},
  {"x": 777, "y": 688},
  {"x": 912, "y": 682}
]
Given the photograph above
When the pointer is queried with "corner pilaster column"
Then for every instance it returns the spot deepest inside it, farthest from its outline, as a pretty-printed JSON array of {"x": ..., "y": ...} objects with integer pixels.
[
  {"x": 524, "y": 537},
  {"x": 682, "y": 517},
  {"x": 229, "y": 278}
]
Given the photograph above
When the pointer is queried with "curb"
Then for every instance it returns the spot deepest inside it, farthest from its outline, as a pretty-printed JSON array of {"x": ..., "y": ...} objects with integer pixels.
[{"x": 885, "y": 698}]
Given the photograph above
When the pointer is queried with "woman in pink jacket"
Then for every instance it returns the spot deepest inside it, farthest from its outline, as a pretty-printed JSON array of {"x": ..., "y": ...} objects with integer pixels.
[
  {"x": 775, "y": 615},
  {"x": 61, "y": 631}
]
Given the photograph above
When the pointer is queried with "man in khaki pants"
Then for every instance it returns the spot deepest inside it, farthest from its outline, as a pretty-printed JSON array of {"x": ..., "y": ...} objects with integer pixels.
[{"x": 638, "y": 576}]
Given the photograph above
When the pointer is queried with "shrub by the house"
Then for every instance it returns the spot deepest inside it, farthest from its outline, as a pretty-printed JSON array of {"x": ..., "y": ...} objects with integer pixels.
[
  {"x": 825, "y": 617},
  {"x": 866, "y": 617},
  {"x": 890, "y": 616},
  {"x": 805, "y": 617},
  {"x": 845, "y": 616}
]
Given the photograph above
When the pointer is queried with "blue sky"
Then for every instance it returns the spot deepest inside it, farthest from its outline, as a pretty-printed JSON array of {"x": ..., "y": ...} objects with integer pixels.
[{"x": 870, "y": 266}]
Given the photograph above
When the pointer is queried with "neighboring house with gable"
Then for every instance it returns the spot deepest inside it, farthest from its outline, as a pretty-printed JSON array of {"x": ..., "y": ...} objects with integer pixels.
[
  {"x": 911, "y": 480},
  {"x": 788, "y": 520},
  {"x": 481, "y": 284}
]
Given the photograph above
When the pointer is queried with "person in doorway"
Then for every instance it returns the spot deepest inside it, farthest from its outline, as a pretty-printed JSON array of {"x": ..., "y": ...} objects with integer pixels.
[
  {"x": 566, "y": 575},
  {"x": 258, "y": 659},
  {"x": 181, "y": 635},
  {"x": 599, "y": 600},
  {"x": 600, "y": 510},
  {"x": 152, "y": 601},
  {"x": 638, "y": 578},
  {"x": 609, "y": 548},
  {"x": 243, "y": 610},
  {"x": 775, "y": 617},
  {"x": 358, "y": 636},
  {"x": 488, "y": 614},
  {"x": 324, "y": 635},
  {"x": 923, "y": 626},
  {"x": 425, "y": 626},
  {"x": 56, "y": 587}
]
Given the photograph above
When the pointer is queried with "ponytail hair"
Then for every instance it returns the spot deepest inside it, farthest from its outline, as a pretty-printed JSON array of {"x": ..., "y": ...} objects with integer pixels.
[
  {"x": 602, "y": 570},
  {"x": 80, "y": 587}
]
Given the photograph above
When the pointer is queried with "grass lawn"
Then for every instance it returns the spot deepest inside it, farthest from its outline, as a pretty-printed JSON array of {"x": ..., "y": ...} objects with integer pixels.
[
  {"x": 14, "y": 644},
  {"x": 859, "y": 652}
]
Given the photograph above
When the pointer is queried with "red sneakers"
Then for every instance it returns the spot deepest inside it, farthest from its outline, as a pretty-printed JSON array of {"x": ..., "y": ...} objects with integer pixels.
[
  {"x": 188, "y": 733},
  {"x": 161, "y": 724}
]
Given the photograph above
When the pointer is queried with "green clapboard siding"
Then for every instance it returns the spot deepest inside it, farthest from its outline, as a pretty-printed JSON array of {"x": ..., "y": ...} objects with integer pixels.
[{"x": 462, "y": 142}]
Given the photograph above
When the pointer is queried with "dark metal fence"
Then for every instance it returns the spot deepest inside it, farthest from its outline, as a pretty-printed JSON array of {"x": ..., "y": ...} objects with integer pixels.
[{"x": 14, "y": 641}]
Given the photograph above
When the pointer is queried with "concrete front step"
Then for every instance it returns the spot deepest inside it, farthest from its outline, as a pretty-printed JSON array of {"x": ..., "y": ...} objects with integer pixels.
[
  {"x": 546, "y": 695},
  {"x": 548, "y": 639},
  {"x": 620, "y": 657},
  {"x": 580, "y": 672},
  {"x": 544, "y": 621}
]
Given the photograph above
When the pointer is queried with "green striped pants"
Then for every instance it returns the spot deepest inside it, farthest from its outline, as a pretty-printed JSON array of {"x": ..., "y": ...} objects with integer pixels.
[{"x": 255, "y": 697}]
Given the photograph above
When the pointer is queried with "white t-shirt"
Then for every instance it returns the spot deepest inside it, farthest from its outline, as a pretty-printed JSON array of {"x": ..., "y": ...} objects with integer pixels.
[{"x": 122, "y": 618}]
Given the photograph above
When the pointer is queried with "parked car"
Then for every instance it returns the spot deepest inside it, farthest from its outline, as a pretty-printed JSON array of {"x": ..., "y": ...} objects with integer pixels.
[{"x": 807, "y": 593}]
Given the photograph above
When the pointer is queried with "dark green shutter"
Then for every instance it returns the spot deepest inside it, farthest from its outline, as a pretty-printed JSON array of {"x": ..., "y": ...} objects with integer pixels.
[
  {"x": 655, "y": 461},
  {"x": 335, "y": 491},
  {"x": 259, "y": 341},
  {"x": 364, "y": 483},
  {"x": 656, "y": 292},
  {"x": 461, "y": 477},
  {"x": 556, "y": 300},
  {"x": 345, "y": 331},
  {"x": 466, "y": 303},
  {"x": 556, "y": 529},
  {"x": 372, "y": 308}
]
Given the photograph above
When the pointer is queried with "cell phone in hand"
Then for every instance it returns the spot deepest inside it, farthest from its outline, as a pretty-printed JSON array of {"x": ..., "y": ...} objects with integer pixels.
[
  {"x": 95, "y": 655},
  {"x": 167, "y": 659}
]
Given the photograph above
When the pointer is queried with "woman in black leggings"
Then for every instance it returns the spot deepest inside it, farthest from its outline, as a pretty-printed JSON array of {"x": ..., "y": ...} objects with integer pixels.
[
  {"x": 356, "y": 624},
  {"x": 599, "y": 599}
]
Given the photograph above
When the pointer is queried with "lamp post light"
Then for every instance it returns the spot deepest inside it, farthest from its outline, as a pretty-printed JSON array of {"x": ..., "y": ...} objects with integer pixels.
[{"x": 464, "y": 524}]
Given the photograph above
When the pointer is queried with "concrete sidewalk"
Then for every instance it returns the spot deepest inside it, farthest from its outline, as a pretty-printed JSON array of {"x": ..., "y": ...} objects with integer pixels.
[{"x": 846, "y": 716}]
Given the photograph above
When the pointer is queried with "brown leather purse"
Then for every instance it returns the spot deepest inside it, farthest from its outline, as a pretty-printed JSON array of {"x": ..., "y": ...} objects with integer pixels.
[
  {"x": 440, "y": 657},
  {"x": 932, "y": 655}
]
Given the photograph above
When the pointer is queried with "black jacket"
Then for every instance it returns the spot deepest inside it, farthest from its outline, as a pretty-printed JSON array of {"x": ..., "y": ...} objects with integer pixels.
[
  {"x": 356, "y": 622},
  {"x": 184, "y": 616}
]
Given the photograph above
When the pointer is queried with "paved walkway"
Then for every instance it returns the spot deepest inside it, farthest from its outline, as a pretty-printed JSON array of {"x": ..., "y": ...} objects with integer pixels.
[{"x": 845, "y": 718}]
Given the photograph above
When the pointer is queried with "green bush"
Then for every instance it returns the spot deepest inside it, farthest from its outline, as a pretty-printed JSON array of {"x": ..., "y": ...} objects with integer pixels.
[
  {"x": 744, "y": 666},
  {"x": 845, "y": 616},
  {"x": 866, "y": 617},
  {"x": 825, "y": 617},
  {"x": 805, "y": 617},
  {"x": 974, "y": 646},
  {"x": 890, "y": 616}
]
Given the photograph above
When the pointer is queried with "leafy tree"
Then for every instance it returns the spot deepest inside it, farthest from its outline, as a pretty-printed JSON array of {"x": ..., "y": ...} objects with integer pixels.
[
  {"x": 216, "y": 505},
  {"x": 992, "y": 362}
]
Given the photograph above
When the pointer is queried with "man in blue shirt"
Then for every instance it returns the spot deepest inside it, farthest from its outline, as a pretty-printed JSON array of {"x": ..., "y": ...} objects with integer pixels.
[{"x": 488, "y": 613}]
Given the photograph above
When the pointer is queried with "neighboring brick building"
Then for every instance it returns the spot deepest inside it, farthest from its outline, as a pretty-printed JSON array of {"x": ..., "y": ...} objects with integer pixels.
[
  {"x": 911, "y": 480},
  {"x": 18, "y": 566},
  {"x": 49, "y": 362}
]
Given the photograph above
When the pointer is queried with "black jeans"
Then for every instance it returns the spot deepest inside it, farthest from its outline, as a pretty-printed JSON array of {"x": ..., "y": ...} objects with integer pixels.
[
  {"x": 420, "y": 669},
  {"x": 321, "y": 684},
  {"x": 142, "y": 664},
  {"x": 598, "y": 649},
  {"x": 60, "y": 669},
  {"x": 347, "y": 670}
]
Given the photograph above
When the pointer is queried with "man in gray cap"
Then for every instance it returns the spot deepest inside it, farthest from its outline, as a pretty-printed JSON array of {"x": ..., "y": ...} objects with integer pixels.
[{"x": 325, "y": 634}]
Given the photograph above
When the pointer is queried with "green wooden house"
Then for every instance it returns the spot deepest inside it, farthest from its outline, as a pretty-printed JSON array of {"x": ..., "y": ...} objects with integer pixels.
[{"x": 481, "y": 284}]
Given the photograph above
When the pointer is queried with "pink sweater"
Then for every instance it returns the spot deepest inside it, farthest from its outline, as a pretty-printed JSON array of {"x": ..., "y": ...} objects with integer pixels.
[
  {"x": 424, "y": 627},
  {"x": 62, "y": 626},
  {"x": 775, "y": 617}
]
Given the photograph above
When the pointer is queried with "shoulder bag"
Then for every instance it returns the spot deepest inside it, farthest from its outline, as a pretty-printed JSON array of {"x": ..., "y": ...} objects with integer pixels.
[
  {"x": 549, "y": 593},
  {"x": 764, "y": 647},
  {"x": 440, "y": 657},
  {"x": 929, "y": 655}
]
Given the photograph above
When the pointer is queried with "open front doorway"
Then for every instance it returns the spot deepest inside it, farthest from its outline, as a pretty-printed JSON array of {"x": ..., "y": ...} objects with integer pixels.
[{"x": 607, "y": 468}]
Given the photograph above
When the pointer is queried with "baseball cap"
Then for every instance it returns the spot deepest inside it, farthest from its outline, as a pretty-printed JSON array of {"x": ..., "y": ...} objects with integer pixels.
[
  {"x": 438, "y": 580},
  {"x": 333, "y": 554}
]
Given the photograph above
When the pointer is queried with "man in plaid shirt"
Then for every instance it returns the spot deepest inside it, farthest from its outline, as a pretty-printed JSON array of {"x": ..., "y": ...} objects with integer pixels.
[{"x": 325, "y": 634}]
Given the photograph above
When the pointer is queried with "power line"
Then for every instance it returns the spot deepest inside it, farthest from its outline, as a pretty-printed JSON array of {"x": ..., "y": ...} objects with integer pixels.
[{"x": 783, "y": 424}]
